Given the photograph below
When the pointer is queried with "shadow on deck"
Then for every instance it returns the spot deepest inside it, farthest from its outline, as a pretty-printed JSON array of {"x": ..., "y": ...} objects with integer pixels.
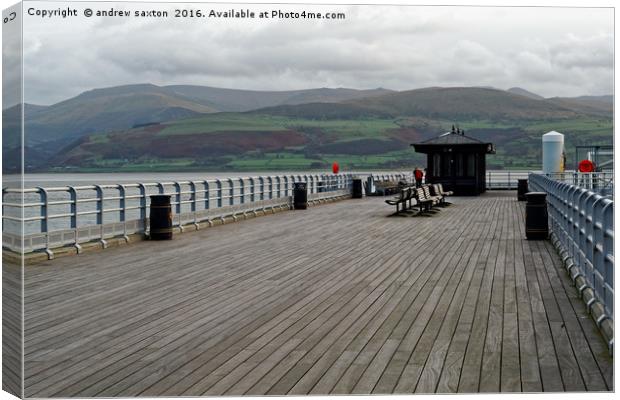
[{"x": 334, "y": 299}]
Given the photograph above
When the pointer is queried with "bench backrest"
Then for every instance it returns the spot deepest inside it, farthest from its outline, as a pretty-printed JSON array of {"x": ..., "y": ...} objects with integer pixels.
[
  {"x": 406, "y": 194},
  {"x": 426, "y": 190}
]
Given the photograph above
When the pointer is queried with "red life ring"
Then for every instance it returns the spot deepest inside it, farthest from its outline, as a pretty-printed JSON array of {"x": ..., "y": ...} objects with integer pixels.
[{"x": 586, "y": 166}]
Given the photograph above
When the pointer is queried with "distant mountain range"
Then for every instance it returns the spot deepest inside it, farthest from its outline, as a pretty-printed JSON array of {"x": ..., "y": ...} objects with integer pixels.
[
  {"x": 103, "y": 110},
  {"x": 52, "y": 130}
]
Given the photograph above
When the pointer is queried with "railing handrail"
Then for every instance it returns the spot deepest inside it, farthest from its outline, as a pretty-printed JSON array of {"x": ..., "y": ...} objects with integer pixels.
[
  {"x": 597, "y": 181},
  {"x": 582, "y": 222},
  {"x": 600, "y": 181}
]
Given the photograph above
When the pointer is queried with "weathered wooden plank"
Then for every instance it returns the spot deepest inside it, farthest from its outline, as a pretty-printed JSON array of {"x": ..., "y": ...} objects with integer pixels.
[
  {"x": 529, "y": 368},
  {"x": 547, "y": 358},
  {"x": 579, "y": 361},
  {"x": 470, "y": 374},
  {"x": 450, "y": 376},
  {"x": 510, "y": 364}
]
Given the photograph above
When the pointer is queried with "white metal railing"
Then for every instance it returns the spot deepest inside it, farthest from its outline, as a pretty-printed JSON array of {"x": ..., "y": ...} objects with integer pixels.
[
  {"x": 44, "y": 218},
  {"x": 582, "y": 221},
  {"x": 600, "y": 182},
  {"x": 504, "y": 179}
]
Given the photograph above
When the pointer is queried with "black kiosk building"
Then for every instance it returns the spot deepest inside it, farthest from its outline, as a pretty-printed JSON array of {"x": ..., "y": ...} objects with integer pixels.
[{"x": 456, "y": 161}]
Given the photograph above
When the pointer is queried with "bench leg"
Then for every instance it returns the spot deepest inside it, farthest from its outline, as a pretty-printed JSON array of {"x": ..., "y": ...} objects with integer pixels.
[{"x": 422, "y": 210}]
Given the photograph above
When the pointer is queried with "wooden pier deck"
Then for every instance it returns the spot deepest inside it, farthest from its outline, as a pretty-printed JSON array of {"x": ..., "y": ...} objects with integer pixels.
[{"x": 339, "y": 298}]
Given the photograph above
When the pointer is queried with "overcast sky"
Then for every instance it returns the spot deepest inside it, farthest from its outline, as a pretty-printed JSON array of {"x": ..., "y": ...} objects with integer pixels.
[{"x": 549, "y": 51}]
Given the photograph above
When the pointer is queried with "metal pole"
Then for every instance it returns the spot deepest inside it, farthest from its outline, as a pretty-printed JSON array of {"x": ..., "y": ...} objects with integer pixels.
[{"x": 100, "y": 211}]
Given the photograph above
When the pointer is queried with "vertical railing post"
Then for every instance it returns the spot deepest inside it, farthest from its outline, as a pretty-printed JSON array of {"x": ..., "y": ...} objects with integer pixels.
[
  {"x": 123, "y": 212},
  {"x": 194, "y": 202},
  {"x": 100, "y": 212},
  {"x": 593, "y": 239},
  {"x": 576, "y": 229},
  {"x": 142, "y": 209},
  {"x": 207, "y": 200},
  {"x": 608, "y": 254},
  {"x": 253, "y": 192},
  {"x": 44, "y": 197},
  {"x": 207, "y": 194},
  {"x": 581, "y": 238},
  {"x": 231, "y": 192},
  {"x": 74, "y": 218},
  {"x": 218, "y": 184},
  {"x": 241, "y": 191},
  {"x": 261, "y": 193},
  {"x": 177, "y": 206},
  {"x": 4, "y": 202}
]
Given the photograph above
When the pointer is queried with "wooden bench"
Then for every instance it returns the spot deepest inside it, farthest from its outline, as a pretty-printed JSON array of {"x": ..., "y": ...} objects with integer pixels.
[
  {"x": 448, "y": 193},
  {"x": 438, "y": 191},
  {"x": 425, "y": 203},
  {"x": 436, "y": 199},
  {"x": 406, "y": 194},
  {"x": 398, "y": 200},
  {"x": 422, "y": 197}
]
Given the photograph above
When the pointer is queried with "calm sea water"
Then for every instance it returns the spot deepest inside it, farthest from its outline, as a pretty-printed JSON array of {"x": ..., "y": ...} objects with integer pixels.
[
  {"x": 87, "y": 179},
  {"x": 79, "y": 179}
]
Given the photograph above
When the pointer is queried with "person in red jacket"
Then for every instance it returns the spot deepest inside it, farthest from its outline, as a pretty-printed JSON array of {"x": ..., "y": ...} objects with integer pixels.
[{"x": 418, "y": 174}]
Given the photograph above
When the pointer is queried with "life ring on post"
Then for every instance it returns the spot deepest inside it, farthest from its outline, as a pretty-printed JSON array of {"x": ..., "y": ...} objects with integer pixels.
[{"x": 586, "y": 166}]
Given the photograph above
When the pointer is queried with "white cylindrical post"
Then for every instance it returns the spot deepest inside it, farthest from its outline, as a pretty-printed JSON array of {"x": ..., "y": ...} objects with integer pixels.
[{"x": 553, "y": 152}]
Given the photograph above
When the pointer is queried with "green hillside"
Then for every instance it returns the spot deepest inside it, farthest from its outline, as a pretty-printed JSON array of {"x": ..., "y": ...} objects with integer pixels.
[
  {"x": 143, "y": 127},
  {"x": 466, "y": 104},
  {"x": 254, "y": 142},
  {"x": 123, "y": 107}
]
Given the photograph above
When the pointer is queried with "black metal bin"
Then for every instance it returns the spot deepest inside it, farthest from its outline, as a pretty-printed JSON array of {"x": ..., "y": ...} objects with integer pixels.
[
  {"x": 521, "y": 189},
  {"x": 536, "y": 217},
  {"x": 300, "y": 196},
  {"x": 161, "y": 217},
  {"x": 357, "y": 190}
]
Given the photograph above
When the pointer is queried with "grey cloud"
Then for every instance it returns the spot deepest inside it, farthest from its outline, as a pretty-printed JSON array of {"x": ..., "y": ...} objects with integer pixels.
[
  {"x": 396, "y": 47},
  {"x": 579, "y": 52}
]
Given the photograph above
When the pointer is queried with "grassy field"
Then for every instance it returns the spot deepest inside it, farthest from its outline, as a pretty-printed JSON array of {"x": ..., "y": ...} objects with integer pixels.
[{"x": 223, "y": 122}]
